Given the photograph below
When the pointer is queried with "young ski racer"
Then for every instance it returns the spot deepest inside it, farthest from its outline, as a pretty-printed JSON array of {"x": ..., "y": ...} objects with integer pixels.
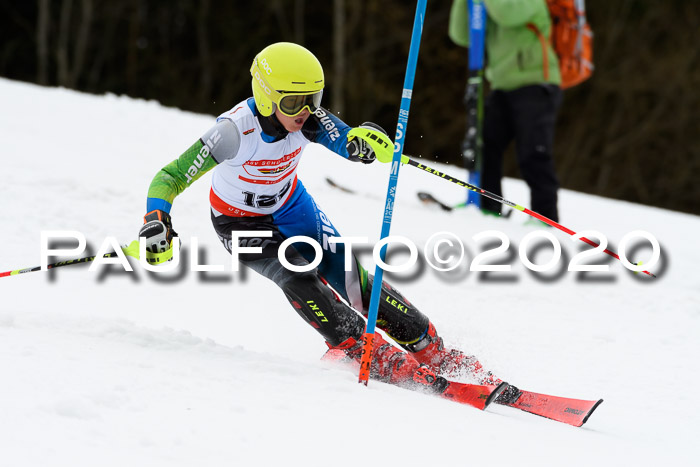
[{"x": 255, "y": 149}]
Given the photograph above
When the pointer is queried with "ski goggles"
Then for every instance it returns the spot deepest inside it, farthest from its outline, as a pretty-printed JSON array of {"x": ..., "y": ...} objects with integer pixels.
[{"x": 291, "y": 105}]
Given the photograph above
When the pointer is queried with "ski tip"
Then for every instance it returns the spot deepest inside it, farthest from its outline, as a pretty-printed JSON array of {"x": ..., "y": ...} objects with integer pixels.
[
  {"x": 496, "y": 392},
  {"x": 585, "y": 419}
]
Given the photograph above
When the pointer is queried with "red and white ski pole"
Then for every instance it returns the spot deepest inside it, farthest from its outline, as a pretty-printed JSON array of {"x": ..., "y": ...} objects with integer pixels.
[{"x": 407, "y": 160}]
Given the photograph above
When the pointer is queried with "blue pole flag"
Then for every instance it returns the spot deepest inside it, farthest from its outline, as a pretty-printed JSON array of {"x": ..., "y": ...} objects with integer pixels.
[
  {"x": 393, "y": 182},
  {"x": 477, "y": 32},
  {"x": 472, "y": 147}
]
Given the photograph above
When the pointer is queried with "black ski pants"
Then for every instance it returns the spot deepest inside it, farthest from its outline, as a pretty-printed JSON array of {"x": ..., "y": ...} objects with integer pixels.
[
  {"x": 309, "y": 294},
  {"x": 528, "y": 116}
]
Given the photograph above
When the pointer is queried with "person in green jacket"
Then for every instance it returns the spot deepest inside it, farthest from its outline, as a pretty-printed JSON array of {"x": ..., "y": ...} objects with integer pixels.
[{"x": 523, "y": 72}]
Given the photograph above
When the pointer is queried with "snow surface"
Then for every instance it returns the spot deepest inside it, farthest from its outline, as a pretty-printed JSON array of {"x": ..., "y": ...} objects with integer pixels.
[{"x": 116, "y": 368}]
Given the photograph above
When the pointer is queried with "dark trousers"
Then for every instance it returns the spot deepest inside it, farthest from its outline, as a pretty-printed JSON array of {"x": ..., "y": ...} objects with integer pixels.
[
  {"x": 309, "y": 294},
  {"x": 528, "y": 116}
]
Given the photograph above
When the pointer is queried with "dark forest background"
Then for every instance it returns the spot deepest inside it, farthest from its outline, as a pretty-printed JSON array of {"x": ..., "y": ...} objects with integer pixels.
[{"x": 631, "y": 132}]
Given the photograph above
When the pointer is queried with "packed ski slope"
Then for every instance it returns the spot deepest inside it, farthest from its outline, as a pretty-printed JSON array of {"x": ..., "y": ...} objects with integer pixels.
[{"x": 114, "y": 368}]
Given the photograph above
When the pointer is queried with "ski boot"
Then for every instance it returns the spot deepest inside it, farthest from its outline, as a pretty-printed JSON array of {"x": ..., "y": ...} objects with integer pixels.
[
  {"x": 430, "y": 350},
  {"x": 394, "y": 366},
  {"x": 389, "y": 364},
  {"x": 451, "y": 363}
]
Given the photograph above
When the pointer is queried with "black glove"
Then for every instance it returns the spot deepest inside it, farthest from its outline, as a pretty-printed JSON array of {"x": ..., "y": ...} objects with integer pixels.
[
  {"x": 359, "y": 149},
  {"x": 158, "y": 231}
]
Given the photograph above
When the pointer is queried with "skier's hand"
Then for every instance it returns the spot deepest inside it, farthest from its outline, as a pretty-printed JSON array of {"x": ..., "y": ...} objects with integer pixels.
[
  {"x": 364, "y": 140},
  {"x": 157, "y": 231}
]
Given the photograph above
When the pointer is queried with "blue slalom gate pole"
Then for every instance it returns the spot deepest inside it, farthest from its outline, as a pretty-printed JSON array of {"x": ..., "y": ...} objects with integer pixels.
[
  {"x": 418, "y": 21},
  {"x": 473, "y": 144}
]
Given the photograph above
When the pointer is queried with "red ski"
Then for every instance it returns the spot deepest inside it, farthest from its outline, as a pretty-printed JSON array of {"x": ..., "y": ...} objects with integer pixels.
[
  {"x": 474, "y": 395},
  {"x": 572, "y": 411}
]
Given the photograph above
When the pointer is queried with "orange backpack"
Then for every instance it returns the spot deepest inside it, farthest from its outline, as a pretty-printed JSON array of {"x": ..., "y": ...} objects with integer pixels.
[{"x": 572, "y": 41}]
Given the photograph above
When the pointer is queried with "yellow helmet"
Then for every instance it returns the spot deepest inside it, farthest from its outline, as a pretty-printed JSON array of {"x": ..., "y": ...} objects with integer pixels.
[{"x": 287, "y": 76}]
